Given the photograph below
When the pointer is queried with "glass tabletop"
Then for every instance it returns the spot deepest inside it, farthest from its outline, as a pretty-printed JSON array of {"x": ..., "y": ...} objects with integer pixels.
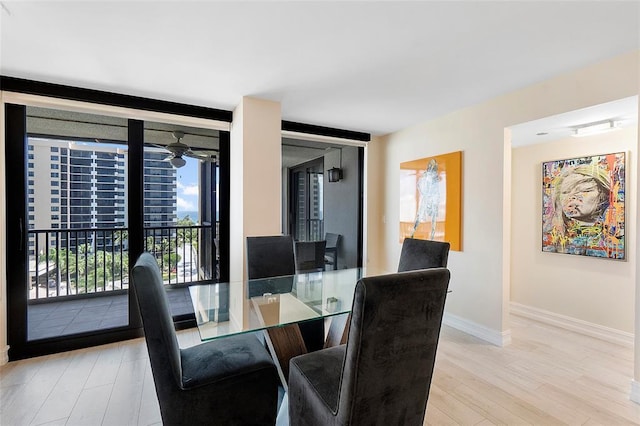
[{"x": 224, "y": 309}]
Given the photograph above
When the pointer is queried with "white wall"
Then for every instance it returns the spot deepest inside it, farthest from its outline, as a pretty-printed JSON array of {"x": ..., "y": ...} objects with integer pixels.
[
  {"x": 598, "y": 291},
  {"x": 480, "y": 271}
]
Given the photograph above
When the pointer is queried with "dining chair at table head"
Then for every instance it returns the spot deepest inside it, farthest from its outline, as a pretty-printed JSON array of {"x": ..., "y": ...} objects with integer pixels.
[
  {"x": 422, "y": 254},
  {"x": 309, "y": 255},
  {"x": 209, "y": 383},
  {"x": 273, "y": 256},
  {"x": 331, "y": 249},
  {"x": 270, "y": 256},
  {"x": 383, "y": 373}
]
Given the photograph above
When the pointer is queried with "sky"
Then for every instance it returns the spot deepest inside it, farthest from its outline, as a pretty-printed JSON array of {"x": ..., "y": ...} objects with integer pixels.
[{"x": 188, "y": 186}]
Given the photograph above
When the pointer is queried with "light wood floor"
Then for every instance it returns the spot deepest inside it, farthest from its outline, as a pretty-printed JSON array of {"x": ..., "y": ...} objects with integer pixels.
[{"x": 546, "y": 376}]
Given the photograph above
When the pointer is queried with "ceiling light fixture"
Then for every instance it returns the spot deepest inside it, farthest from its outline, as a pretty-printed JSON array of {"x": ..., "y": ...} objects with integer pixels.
[{"x": 595, "y": 128}]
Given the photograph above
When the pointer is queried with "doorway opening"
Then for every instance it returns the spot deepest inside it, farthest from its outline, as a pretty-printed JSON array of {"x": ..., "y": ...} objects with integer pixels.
[{"x": 317, "y": 207}]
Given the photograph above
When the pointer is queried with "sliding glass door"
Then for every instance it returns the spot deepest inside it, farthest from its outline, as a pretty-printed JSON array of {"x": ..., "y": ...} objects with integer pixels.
[
  {"x": 322, "y": 208},
  {"x": 77, "y": 277},
  {"x": 88, "y": 193}
]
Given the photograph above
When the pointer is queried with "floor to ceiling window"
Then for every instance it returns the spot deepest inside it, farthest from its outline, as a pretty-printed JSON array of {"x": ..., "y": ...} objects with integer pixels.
[
  {"x": 181, "y": 225},
  {"x": 88, "y": 192},
  {"x": 76, "y": 203}
]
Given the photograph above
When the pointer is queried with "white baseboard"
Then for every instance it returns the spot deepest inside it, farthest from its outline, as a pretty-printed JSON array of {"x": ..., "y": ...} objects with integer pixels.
[
  {"x": 635, "y": 391},
  {"x": 490, "y": 335},
  {"x": 4, "y": 355},
  {"x": 590, "y": 329}
]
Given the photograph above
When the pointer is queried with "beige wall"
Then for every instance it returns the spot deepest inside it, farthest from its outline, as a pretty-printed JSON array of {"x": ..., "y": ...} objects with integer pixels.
[
  {"x": 480, "y": 272},
  {"x": 598, "y": 291},
  {"x": 477, "y": 270},
  {"x": 256, "y": 191},
  {"x": 375, "y": 173}
]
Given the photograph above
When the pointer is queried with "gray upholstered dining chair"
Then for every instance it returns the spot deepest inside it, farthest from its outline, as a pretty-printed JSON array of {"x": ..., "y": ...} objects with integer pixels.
[
  {"x": 331, "y": 249},
  {"x": 310, "y": 255},
  {"x": 383, "y": 374},
  {"x": 228, "y": 381},
  {"x": 270, "y": 256},
  {"x": 422, "y": 254},
  {"x": 273, "y": 256}
]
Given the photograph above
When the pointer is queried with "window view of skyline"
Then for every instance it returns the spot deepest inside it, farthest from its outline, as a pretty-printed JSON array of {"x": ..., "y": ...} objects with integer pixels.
[
  {"x": 77, "y": 192},
  {"x": 78, "y": 216}
]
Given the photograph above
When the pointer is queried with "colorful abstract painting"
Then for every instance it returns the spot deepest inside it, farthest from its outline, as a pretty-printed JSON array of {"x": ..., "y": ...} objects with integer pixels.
[
  {"x": 583, "y": 211},
  {"x": 431, "y": 199}
]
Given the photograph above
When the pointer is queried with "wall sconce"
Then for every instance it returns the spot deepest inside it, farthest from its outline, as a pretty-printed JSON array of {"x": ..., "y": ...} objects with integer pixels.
[{"x": 335, "y": 173}]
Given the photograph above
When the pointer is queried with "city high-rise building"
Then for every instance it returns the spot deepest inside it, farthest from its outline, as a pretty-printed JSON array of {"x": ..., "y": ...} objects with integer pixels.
[{"x": 75, "y": 186}]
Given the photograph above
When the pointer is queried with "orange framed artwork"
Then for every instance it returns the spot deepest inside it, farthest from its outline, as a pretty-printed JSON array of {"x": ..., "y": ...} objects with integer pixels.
[{"x": 431, "y": 199}]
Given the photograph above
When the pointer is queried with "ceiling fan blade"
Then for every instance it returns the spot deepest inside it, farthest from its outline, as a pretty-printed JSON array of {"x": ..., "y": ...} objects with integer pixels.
[
  {"x": 204, "y": 153},
  {"x": 200, "y": 156},
  {"x": 203, "y": 149},
  {"x": 155, "y": 145}
]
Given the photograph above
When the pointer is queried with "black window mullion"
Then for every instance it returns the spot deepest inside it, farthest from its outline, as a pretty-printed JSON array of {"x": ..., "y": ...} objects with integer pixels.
[
  {"x": 16, "y": 228},
  {"x": 135, "y": 206},
  {"x": 223, "y": 208}
]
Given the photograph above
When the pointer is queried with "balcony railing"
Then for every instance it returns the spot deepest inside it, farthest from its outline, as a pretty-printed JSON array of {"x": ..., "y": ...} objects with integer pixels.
[{"x": 76, "y": 262}]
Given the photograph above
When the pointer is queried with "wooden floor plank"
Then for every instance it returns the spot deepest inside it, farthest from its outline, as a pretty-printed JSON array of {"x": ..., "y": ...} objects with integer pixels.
[
  {"x": 25, "y": 400},
  {"x": 62, "y": 399},
  {"x": 459, "y": 411},
  {"x": 149, "y": 409},
  {"x": 126, "y": 395},
  {"x": 90, "y": 406},
  {"x": 435, "y": 416},
  {"x": 107, "y": 366}
]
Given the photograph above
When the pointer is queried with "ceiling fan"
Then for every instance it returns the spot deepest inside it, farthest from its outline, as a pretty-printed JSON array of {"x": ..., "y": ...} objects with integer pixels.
[{"x": 178, "y": 150}]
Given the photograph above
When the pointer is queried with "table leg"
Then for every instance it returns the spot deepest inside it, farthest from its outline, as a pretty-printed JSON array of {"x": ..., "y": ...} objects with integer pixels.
[
  {"x": 284, "y": 343},
  {"x": 338, "y": 330}
]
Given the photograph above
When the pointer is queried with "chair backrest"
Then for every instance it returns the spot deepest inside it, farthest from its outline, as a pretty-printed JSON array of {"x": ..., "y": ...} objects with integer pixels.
[
  {"x": 270, "y": 256},
  {"x": 310, "y": 255},
  {"x": 332, "y": 239},
  {"x": 159, "y": 331},
  {"x": 423, "y": 254},
  {"x": 391, "y": 348},
  {"x": 267, "y": 257}
]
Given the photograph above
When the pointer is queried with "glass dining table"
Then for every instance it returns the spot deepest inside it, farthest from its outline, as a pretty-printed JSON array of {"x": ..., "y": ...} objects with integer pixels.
[{"x": 276, "y": 306}]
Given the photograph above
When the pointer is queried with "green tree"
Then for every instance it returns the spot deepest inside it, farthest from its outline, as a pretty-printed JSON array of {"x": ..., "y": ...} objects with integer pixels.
[
  {"x": 120, "y": 237},
  {"x": 187, "y": 235}
]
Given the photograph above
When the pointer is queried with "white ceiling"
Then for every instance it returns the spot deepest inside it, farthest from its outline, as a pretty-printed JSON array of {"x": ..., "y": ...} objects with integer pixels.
[{"x": 367, "y": 66}]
